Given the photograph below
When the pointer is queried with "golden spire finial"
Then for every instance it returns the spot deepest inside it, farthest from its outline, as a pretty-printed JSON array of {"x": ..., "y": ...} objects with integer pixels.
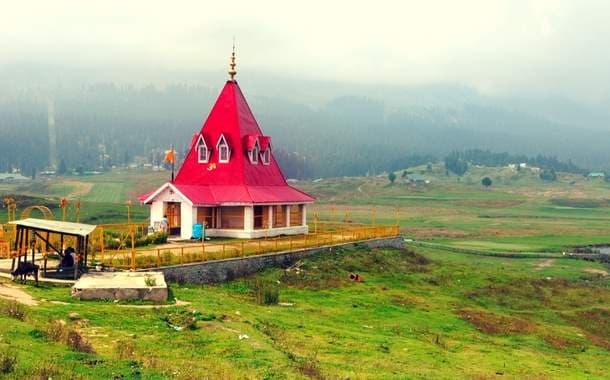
[{"x": 232, "y": 71}]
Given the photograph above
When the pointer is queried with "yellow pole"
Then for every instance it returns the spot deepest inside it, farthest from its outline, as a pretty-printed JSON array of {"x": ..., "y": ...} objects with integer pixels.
[
  {"x": 128, "y": 212},
  {"x": 78, "y": 211},
  {"x": 102, "y": 242},
  {"x": 133, "y": 250}
]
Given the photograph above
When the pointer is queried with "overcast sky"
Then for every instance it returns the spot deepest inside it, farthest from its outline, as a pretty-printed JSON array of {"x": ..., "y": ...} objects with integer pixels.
[{"x": 499, "y": 47}]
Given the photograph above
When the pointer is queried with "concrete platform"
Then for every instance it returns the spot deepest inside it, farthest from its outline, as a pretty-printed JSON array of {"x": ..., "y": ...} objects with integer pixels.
[{"x": 121, "y": 286}]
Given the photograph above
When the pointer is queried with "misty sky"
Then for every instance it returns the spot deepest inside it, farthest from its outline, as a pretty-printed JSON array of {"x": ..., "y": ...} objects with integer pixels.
[{"x": 499, "y": 47}]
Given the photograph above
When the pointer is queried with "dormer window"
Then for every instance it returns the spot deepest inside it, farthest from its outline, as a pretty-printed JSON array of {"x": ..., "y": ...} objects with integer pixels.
[
  {"x": 224, "y": 152},
  {"x": 203, "y": 153},
  {"x": 266, "y": 156},
  {"x": 254, "y": 153},
  {"x": 265, "y": 148}
]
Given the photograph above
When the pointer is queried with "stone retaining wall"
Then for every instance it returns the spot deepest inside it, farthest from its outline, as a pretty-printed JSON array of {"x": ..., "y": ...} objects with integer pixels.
[{"x": 225, "y": 270}]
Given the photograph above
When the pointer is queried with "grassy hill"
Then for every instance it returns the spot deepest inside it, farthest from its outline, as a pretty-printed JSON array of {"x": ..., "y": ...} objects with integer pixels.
[
  {"x": 519, "y": 212},
  {"x": 424, "y": 314}
]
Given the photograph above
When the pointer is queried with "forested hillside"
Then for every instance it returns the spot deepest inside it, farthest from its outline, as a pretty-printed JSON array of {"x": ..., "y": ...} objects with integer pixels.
[{"x": 344, "y": 131}]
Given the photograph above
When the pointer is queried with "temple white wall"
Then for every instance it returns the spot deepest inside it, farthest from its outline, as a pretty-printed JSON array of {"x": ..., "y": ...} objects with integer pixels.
[{"x": 188, "y": 217}]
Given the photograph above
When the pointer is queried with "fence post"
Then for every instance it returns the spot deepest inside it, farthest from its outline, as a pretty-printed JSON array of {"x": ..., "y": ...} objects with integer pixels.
[
  {"x": 133, "y": 250},
  {"x": 260, "y": 249},
  {"x": 290, "y": 242},
  {"x": 158, "y": 258},
  {"x": 243, "y": 253},
  {"x": 102, "y": 243},
  {"x": 181, "y": 255},
  {"x": 276, "y": 240},
  {"x": 223, "y": 250}
]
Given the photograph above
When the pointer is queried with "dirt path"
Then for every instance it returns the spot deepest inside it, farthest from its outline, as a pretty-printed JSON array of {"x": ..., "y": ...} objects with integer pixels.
[
  {"x": 13, "y": 293},
  {"x": 80, "y": 189},
  {"x": 178, "y": 303},
  {"x": 545, "y": 264},
  {"x": 596, "y": 271}
]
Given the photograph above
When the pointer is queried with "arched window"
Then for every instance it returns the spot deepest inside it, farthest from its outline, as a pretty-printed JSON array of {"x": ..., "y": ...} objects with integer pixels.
[
  {"x": 266, "y": 156},
  {"x": 224, "y": 153},
  {"x": 203, "y": 153},
  {"x": 254, "y": 153}
]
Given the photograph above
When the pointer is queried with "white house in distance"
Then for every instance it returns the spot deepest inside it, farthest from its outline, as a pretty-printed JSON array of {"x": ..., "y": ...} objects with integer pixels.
[{"x": 229, "y": 180}]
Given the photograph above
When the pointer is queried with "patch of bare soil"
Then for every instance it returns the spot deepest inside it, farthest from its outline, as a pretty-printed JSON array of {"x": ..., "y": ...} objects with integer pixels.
[
  {"x": 80, "y": 189},
  {"x": 13, "y": 293},
  {"x": 545, "y": 264},
  {"x": 596, "y": 271},
  {"x": 178, "y": 303},
  {"x": 595, "y": 323},
  {"x": 544, "y": 293},
  {"x": 490, "y": 203},
  {"x": 423, "y": 233},
  {"x": 559, "y": 342},
  {"x": 491, "y": 323}
]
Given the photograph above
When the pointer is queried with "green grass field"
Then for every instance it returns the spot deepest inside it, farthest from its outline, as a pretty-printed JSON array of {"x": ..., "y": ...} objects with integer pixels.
[
  {"x": 416, "y": 315},
  {"x": 518, "y": 213},
  {"x": 433, "y": 314}
]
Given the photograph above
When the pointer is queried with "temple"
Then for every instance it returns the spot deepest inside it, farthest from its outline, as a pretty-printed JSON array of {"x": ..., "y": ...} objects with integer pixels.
[{"x": 229, "y": 181}]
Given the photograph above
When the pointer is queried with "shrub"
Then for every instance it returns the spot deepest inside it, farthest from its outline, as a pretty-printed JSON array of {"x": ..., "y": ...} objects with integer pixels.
[
  {"x": 8, "y": 360},
  {"x": 78, "y": 343},
  {"x": 14, "y": 309},
  {"x": 125, "y": 348},
  {"x": 45, "y": 371},
  {"x": 265, "y": 293},
  {"x": 181, "y": 319},
  {"x": 56, "y": 331},
  {"x": 150, "y": 281}
]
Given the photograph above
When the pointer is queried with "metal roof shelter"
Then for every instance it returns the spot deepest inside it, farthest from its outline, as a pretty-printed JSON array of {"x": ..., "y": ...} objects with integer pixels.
[{"x": 30, "y": 229}]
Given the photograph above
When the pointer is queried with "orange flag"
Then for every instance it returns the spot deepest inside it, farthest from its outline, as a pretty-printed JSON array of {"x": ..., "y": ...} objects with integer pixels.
[{"x": 169, "y": 156}]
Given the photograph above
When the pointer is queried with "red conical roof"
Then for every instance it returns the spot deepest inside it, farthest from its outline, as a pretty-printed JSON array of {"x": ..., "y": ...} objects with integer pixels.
[{"x": 238, "y": 180}]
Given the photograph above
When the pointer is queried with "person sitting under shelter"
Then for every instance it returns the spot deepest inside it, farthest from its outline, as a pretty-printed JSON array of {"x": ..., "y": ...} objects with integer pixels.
[{"x": 67, "y": 261}]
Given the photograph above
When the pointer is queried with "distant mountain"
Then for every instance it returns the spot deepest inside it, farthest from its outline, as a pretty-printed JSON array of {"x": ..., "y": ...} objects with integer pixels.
[{"x": 109, "y": 116}]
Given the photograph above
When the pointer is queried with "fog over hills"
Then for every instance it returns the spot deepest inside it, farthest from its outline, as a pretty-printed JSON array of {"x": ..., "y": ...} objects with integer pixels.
[{"x": 110, "y": 115}]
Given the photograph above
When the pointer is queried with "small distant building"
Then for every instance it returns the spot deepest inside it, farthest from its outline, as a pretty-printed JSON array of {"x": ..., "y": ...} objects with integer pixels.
[
  {"x": 230, "y": 181},
  {"x": 416, "y": 179},
  {"x": 12, "y": 177},
  {"x": 596, "y": 175}
]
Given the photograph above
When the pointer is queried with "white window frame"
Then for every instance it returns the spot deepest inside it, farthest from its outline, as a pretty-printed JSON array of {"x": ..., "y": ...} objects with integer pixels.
[
  {"x": 201, "y": 144},
  {"x": 254, "y": 153},
  {"x": 266, "y": 156},
  {"x": 222, "y": 144}
]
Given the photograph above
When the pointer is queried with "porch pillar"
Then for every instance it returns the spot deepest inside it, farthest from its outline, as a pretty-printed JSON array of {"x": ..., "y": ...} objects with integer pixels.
[
  {"x": 270, "y": 217},
  {"x": 248, "y": 218},
  {"x": 304, "y": 215},
  {"x": 287, "y": 224}
]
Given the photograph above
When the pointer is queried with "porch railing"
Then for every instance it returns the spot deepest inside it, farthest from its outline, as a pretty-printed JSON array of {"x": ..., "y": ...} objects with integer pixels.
[{"x": 175, "y": 254}]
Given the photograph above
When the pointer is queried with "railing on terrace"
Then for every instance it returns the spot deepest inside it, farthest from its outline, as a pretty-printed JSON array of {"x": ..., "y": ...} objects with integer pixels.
[
  {"x": 116, "y": 245},
  {"x": 204, "y": 251}
]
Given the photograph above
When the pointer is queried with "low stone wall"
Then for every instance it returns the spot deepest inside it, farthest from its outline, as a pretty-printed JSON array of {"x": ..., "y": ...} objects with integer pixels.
[{"x": 225, "y": 270}]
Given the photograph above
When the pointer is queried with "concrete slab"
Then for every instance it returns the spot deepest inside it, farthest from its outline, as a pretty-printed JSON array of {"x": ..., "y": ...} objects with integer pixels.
[{"x": 146, "y": 286}]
